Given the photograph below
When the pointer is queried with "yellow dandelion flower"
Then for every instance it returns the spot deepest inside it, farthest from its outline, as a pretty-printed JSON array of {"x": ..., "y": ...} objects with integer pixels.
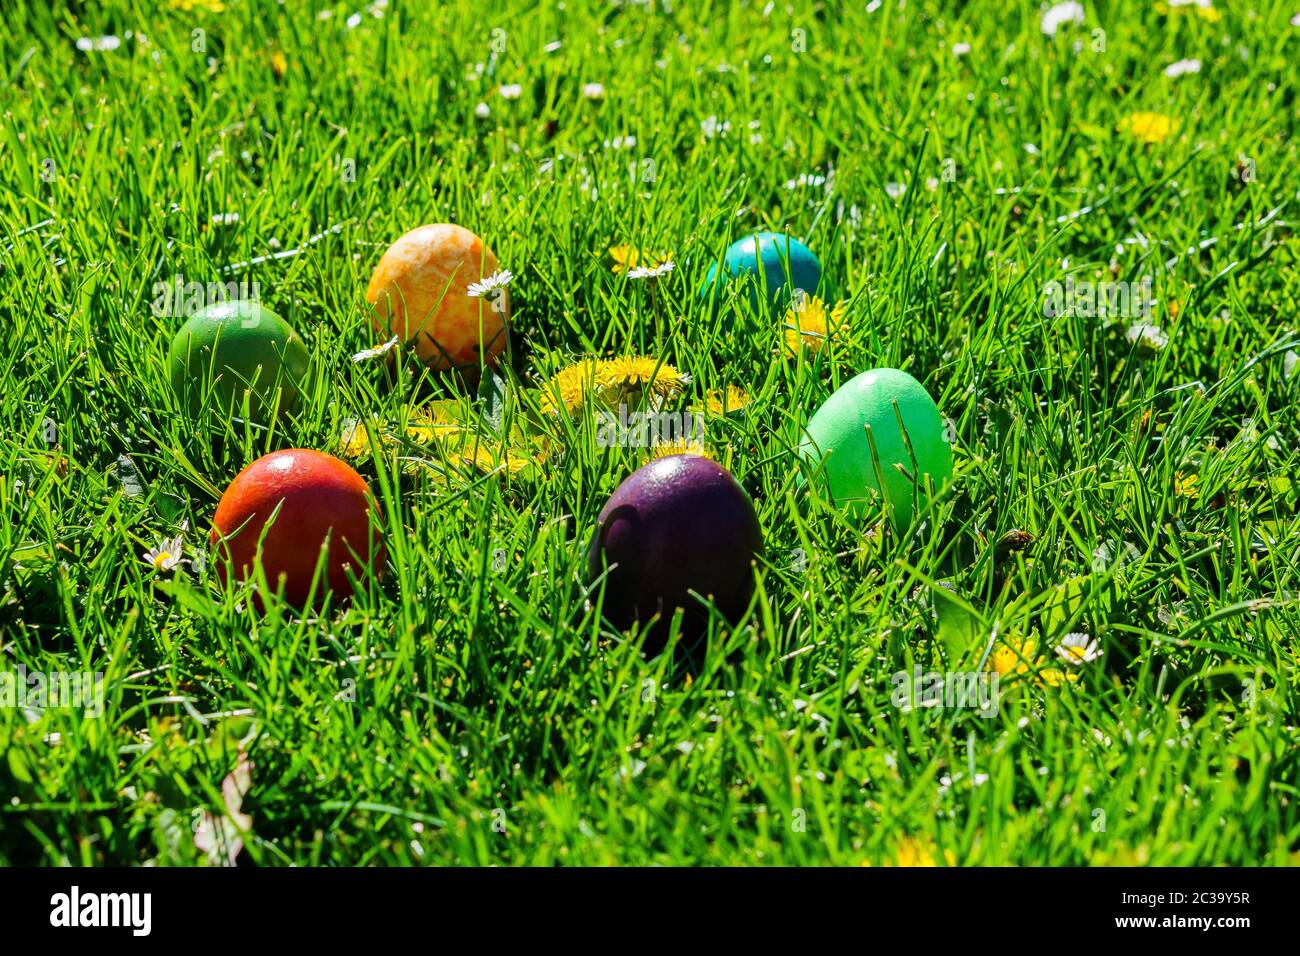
[
  {"x": 1185, "y": 486},
  {"x": 626, "y": 258},
  {"x": 1055, "y": 678},
  {"x": 354, "y": 442},
  {"x": 188, "y": 6},
  {"x": 911, "y": 852},
  {"x": 678, "y": 446},
  {"x": 722, "y": 401},
  {"x": 425, "y": 424},
  {"x": 1202, "y": 8},
  {"x": 810, "y": 326},
  {"x": 1013, "y": 657},
  {"x": 279, "y": 64},
  {"x": 483, "y": 453},
  {"x": 568, "y": 387},
  {"x": 618, "y": 377},
  {"x": 1019, "y": 657},
  {"x": 611, "y": 381},
  {"x": 1149, "y": 128},
  {"x": 438, "y": 471}
]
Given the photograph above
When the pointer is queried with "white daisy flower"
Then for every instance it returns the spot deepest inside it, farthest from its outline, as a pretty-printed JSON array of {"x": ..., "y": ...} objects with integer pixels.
[
  {"x": 594, "y": 91},
  {"x": 99, "y": 44},
  {"x": 1182, "y": 67},
  {"x": 354, "y": 21},
  {"x": 511, "y": 91},
  {"x": 169, "y": 553},
  {"x": 497, "y": 280},
  {"x": 895, "y": 190},
  {"x": 711, "y": 126},
  {"x": 226, "y": 219},
  {"x": 960, "y": 49},
  {"x": 805, "y": 179},
  {"x": 1061, "y": 14},
  {"x": 1077, "y": 649},
  {"x": 365, "y": 355},
  {"x": 650, "y": 272},
  {"x": 1147, "y": 336},
  {"x": 482, "y": 111}
]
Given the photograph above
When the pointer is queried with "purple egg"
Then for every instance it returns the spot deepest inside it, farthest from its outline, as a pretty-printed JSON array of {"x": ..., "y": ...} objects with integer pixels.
[{"x": 678, "y": 525}]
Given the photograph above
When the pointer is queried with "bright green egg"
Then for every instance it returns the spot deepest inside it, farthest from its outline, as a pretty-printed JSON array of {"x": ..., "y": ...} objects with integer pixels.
[
  {"x": 838, "y": 443},
  {"x": 235, "y": 347}
]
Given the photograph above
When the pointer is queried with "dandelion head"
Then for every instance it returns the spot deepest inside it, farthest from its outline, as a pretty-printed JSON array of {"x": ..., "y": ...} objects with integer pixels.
[
  {"x": 809, "y": 325},
  {"x": 567, "y": 389},
  {"x": 678, "y": 446},
  {"x": 722, "y": 401},
  {"x": 619, "y": 377},
  {"x": 1013, "y": 657},
  {"x": 1149, "y": 128},
  {"x": 1186, "y": 486},
  {"x": 426, "y": 423},
  {"x": 354, "y": 442},
  {"x": 626, "y": 258}
]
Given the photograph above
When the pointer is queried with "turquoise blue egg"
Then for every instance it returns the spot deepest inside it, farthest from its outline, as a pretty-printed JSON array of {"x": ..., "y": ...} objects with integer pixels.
[{"x": 770, "y": 261}]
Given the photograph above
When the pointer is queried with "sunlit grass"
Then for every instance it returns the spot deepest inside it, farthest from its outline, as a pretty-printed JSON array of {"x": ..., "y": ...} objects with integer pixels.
[{"x": 470, "y": 707}]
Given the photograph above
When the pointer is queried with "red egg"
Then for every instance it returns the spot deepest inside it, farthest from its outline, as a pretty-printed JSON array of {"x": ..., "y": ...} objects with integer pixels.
[{"x": 323, "y": 503}]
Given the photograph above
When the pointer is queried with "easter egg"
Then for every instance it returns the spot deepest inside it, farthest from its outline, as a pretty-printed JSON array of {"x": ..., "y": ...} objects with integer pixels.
[
  {"x": 681, "y": 524},
  {"x": 420, "y": 292},
  {"x": 238, "y": 346},
  {"x": 838, "y": 442},
  {"x": 772, "y": 268},
  {"x": 323, "y": 503}
]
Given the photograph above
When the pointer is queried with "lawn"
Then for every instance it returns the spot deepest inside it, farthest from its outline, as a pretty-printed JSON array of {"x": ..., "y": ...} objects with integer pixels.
[{"x": 1124, "y": 475}]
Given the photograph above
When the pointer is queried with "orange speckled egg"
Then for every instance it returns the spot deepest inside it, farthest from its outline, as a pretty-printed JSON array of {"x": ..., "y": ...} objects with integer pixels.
[{"x": 420, "y": 293}]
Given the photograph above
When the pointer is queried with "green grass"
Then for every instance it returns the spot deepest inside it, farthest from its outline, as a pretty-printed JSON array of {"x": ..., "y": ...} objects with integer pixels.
[{"x": 465, "y": 695}]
